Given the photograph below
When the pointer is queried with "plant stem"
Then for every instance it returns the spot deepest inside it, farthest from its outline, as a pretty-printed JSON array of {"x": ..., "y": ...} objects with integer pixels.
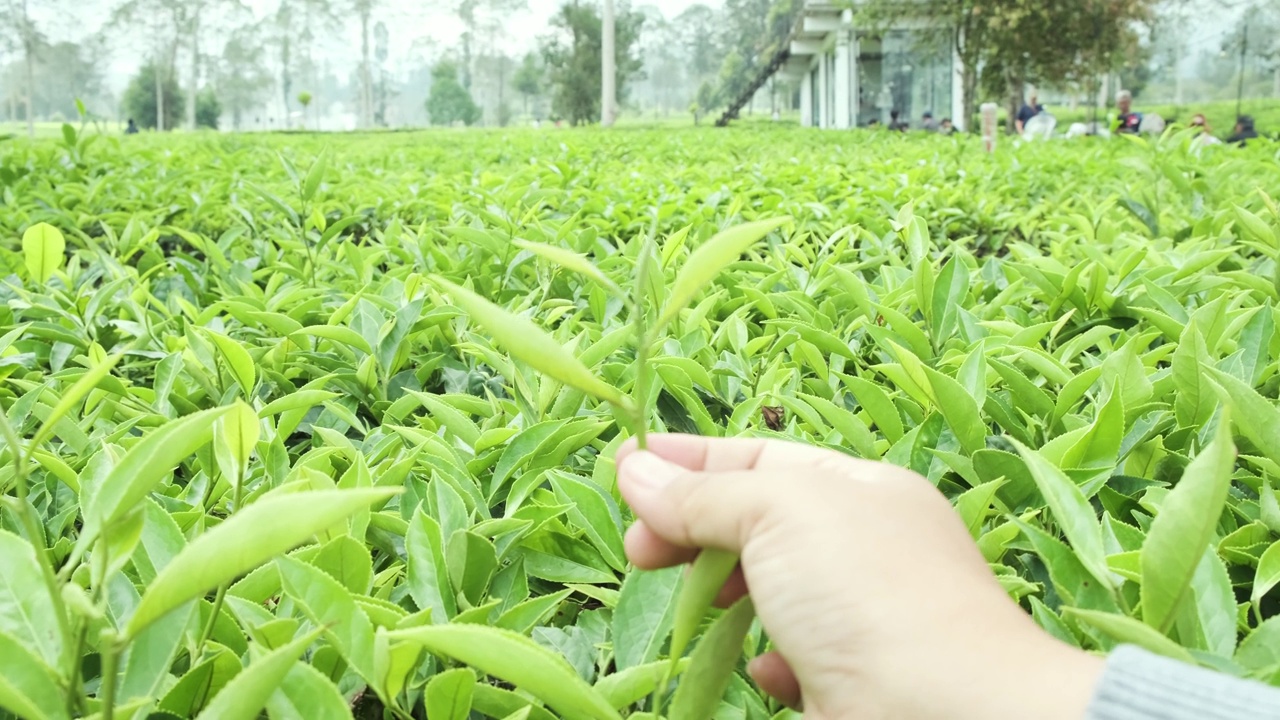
[
  {"x": 110, "y": 652},
  {"x": 237, "y": 494}
]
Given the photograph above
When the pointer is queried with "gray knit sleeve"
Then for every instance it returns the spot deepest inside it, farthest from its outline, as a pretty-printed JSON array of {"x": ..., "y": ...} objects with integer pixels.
[{"x": 1138, "y": 685}]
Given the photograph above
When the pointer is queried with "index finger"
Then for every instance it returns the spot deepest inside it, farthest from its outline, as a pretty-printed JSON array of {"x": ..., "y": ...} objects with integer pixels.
[{"x": 706, "y": 454}]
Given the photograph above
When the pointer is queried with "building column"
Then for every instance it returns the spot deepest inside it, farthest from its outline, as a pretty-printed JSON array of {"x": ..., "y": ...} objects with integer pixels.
[
  {"x": 806, "y": 100},
  {"x": 855, "y": 89},
  {"x": 823, "y": 90},
  {"x": 840, "y": 119}
]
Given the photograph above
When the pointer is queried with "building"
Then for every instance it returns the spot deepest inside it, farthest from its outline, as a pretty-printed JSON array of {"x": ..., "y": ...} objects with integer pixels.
[{"x": 850, "y": 76}]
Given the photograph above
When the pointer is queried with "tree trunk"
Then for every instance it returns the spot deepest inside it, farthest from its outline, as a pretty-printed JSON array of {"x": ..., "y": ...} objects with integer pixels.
[
  {"x": 969, "y": 83},
  {"x": 366, "y": 79},
  {"x": 286, "y": 80},
  {"x": 608, "y": 67},
  {"x": 156, "y": 72},
  {"x": 1015, "y": 100},
  {"x": 31, "y": 86},
  {"x": 195, "y": 69},
  {"x": 1275, "y": 82}
]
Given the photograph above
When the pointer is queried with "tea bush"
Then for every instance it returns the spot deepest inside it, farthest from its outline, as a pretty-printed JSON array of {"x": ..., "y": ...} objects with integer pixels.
[{"x": 264, "y": 452}]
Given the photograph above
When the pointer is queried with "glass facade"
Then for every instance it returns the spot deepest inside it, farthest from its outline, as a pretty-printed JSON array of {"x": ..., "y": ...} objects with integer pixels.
[{"x": 903, "y": 71}]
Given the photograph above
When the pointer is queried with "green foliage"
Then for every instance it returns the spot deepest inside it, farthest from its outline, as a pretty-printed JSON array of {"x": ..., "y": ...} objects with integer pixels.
[
  {"x": 277, "y": 409},
  {"x": 449, "y": 101},
  {"x": 208, "y": 109},
  {"x": 573, "y": 56},
  {"x": 140, "y": 99}
]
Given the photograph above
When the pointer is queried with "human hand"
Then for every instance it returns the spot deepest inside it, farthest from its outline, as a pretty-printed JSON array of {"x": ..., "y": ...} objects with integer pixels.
[{"x": 873, "y": 593}]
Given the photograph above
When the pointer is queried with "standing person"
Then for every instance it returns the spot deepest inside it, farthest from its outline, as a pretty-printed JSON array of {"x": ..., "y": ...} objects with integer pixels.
[
  {"x": 1031, "y": 109},
  {"x": 1245, "y": 131},
  {"x": 132, "y": 128},
  {"x": 1127, "y": 121},
  {"x": 927, "y": 123}
]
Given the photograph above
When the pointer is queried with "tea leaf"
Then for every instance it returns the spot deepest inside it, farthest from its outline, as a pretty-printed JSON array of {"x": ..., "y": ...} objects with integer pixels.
[
  {"x": 570, "y": 261},
  {"x": 531, "y": 344},
  {"x": 28, "y": 688},
  {"x": 705, "y": 262},
  {"x": 142, "y": 467},
  {"x": 1127, "y": 630},
  {"x": 1257, "y": 418},
  {"x": 517, "y": 660},
  {"x": 1184, "y": 527},
  {"x": 244, "y": 541},
  {"x": 248, "y": 692},
  {"x": 1072, "y": 511},
  {"x": 73, "y": 395},
  {"x": 42, "y": 249},
  {"x": 448, "y": 694},
  {"x": 706, "y": 577},
  {"x": 712, "y": 664}
]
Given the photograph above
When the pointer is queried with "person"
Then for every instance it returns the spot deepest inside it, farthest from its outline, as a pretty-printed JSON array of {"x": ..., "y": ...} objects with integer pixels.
[
  {"x": 876, "y": 599},
  {"x": 1244, "y": 132},
  {"x": 873, "y": 123},
  {"x": 1206, "y": 136},
  {"x": 927, "y": 123},
  {"x": 946, "y": 128},
  {"x": 895, "y": 121},
  {"x": 1127, "y": 121},
  {"x": 1031, "y": 109},
  {"x": 131, "y": 129}
]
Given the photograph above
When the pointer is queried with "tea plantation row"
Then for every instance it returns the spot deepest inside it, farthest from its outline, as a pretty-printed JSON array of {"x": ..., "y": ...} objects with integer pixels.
[{"x": 259, "y": 458}]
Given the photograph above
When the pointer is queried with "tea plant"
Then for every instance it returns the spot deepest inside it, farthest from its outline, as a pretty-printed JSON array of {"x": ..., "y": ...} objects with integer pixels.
[{"x": 323, "y": 433}]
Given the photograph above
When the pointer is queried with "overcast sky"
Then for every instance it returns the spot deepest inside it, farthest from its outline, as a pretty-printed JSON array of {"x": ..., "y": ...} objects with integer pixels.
[{"x": 411, "y": 23}]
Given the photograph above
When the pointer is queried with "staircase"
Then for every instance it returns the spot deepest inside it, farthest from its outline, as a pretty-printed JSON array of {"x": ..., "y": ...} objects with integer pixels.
[{"x": 775, "y": 64}]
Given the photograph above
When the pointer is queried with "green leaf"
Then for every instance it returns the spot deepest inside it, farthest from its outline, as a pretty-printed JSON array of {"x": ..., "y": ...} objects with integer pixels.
[
  {"x": 235, "y": 435},
  {"x": 42, "y": 249},
  {"x": 259, "y": 532},
  {"x": 706, "y": 577},
  {"x": 448, "y": 694},
  {"x": 627, "y": 687},
  {"x": 331, "y": 607},
  {"x": 571, "y": 261},
  {"x": 530, "y": 343},
  {"x": 315, "y": 176},
  {"x": 1268, "y": 575},
  {"x": 28, "y": 687},
  {"x": 1184, "y": 527},
  {"x": 705, "y": 262},
  {"x": 248, "y": 692},
  {"x": 26, "y": 610},
  {"x": 239, "y": 361},
  {"x": 1072, "y": 511},
  {"x": 1257, "y": 418},
  {"x": 517, "y": 660},
  {"x": 1127, "y": 630},
  {"x": 142, "y": 467},
  {"x": 644, "y": 616},
  {"x": 73, "y": 395},
  {"x": 306, "y": 694},
  {"x": 1257, "y": 228},
  {"x": 712, "y": 664}
]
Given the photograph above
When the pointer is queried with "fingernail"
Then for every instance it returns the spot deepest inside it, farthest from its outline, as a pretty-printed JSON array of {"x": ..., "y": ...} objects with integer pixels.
[{"x": 648, "y": 471}]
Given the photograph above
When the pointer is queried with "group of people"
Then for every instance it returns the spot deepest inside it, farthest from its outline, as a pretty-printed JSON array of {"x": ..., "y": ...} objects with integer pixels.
[
  {"x": 1130, "y": 122},
  {"x": 927, "y": 123}
]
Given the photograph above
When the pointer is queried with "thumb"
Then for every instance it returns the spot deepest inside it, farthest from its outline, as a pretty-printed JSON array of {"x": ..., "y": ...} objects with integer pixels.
[{"x": 696, "y": 509}]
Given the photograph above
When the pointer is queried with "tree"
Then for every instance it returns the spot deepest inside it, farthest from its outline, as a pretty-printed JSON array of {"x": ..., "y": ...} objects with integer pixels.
[
  {"x": 573, "y": 57},
  {"x": 528, "y": 79},
  {"x": 19, "y": 31},
  {"x": 240, "y": 76},
  {"x": 1006, "y": 43},
  {"x": 145, "y": 105},
  {"x": 449, "y": 102},
  {"x": 208, "y": 109}
]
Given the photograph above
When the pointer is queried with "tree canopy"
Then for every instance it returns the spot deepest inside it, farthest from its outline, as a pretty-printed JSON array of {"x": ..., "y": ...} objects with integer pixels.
[
  {"x": 449, "y": 102},
  {"x": 573, "y": 58}
]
